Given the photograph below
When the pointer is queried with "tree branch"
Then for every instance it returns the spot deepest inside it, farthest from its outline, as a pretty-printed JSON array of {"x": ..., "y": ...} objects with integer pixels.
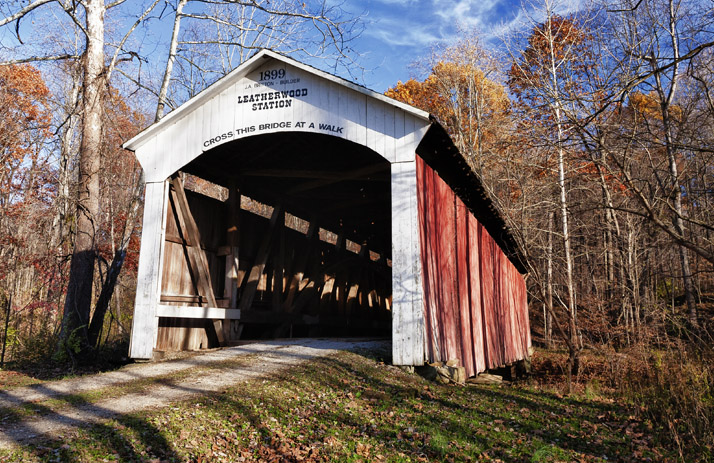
[
  {"x": 32, "y": 59},
  {"x": 24, "y": 11}
]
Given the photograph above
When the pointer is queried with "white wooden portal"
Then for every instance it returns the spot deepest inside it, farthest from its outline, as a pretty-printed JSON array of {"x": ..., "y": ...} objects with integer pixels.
[{"x": 271, "y": 93}]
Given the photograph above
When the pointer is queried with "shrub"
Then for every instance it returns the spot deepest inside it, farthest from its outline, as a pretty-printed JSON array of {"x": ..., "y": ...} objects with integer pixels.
[{"x": 674, "y": 387}]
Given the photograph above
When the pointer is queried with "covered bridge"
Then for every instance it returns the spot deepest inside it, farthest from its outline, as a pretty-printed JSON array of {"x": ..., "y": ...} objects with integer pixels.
[{"x": 284, "y": 201}]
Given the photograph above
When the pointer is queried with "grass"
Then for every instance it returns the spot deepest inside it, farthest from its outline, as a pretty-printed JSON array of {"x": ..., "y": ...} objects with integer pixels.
[{"x": 352, "y": 408}]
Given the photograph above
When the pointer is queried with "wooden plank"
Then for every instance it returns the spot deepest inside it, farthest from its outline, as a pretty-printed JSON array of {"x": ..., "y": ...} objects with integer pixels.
[
  {"x": 144, "y": 329},
  {"x": 188, "y": 242},
  {"x": 180, "y": 334},
  {"x": 196, "y": 255},
  {"x": 403, "y": 148},
  {"x": 427, "y": 231},
  {"x": 256, "y": 271},
  {"x": 182, "y": 311}
]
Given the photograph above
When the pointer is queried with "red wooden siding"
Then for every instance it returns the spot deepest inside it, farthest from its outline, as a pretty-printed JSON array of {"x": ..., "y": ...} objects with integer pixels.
[{"x": 474, "y": 297}]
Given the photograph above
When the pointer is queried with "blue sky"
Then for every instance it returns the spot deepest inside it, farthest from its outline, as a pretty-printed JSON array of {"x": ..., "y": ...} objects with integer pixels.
[{"x": 398, "y": 32}]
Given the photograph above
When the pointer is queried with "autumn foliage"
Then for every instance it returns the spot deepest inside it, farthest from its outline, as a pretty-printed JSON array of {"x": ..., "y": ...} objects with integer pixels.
[{"x": 26, "y": 188}]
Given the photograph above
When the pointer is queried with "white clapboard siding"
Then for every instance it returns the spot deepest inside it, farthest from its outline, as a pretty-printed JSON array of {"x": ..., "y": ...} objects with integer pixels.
[
  {"x": 144, "y": 328},
  {"x": 408, "y": 326},
  {"x": 352, "y": 112},
  {"x": 332, "y": 106}
]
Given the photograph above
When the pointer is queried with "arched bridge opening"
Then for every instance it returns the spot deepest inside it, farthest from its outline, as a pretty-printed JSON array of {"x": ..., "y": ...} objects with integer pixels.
[{"x": 282, "y": 235}]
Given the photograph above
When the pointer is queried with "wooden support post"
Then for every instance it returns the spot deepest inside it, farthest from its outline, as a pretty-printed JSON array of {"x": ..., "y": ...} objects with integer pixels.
[
  {"x": 197, "y": 258},
  {"x": 279, "y": 269},
  {"x": 329, "y": 290},
  {"x": 145, "y": 325},
  {"x": 233, "y": 239},
  {"x": 301, "y": 266},
  {"x": 251, "y": 283},
  {"x": 355, "y": 280},
  {"x": 408, "y": 326},
  {"x": 232, "y": 328}
]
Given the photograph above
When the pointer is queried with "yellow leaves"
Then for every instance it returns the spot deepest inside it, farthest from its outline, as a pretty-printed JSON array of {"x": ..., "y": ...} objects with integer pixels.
[
  {"x": 649, "y": 106},
  {"x": 469, "y": 104}
]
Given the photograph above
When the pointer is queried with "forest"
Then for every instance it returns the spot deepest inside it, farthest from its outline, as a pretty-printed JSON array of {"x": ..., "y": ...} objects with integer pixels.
[{"x": 592, "y": 129}]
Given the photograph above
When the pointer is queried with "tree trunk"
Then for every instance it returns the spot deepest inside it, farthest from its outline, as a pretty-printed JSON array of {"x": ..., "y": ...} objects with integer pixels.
[
  {"x": 105, "y": 297},
  {"x": 173, "y": 47},
  {"x": 8, "y": 310},
  {"x": 666, "y": 98},
  {"x": 79, "y": 290},
  {"x": 549, "y": 283},
  {"x": 95, "y": 327}
]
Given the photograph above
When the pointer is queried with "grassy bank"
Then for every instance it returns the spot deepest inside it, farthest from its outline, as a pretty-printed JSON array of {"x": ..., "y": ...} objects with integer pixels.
[{"x": 353, "y": 407}]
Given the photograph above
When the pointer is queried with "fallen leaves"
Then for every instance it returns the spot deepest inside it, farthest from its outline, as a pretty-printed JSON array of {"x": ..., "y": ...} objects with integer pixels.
[{"x": 348, "y": 408}]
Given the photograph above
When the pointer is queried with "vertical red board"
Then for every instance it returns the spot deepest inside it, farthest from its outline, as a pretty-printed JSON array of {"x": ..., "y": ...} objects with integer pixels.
[
  {"x": 488, "y": 306},
  {"x": 508, "y": 326},
  {"x": 475, "y": 308},
  {"x": 427, "y": 227},
  {"x": 463, "y": 285},
  {"x": 448, "y": 313}
]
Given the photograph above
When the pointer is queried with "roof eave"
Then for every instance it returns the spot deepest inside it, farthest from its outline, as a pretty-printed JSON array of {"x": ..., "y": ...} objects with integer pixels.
[{"x": 438, "y": 150}]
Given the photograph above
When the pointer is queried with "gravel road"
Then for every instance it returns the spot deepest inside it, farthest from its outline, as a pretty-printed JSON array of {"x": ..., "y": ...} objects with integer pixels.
[{"x": 264, "y": 358}]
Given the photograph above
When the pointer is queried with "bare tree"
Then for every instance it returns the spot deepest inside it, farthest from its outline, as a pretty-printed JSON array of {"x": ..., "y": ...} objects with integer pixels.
[
  {"x": 542, "y": 77},
  {"x": 251, "y": 24}
]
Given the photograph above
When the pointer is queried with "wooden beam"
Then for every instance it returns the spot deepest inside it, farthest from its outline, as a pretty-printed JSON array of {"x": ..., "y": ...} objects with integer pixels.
[
  {"x": 315, "y": 174},
  {"x": 182, "y": 311},
  {"x": 351, "y": 204},
  {"x": 251, "y": 283},
  {"x": 197, "y": 258},
  {"x": 355, "y": 174},
  {"x": 193, "y": 300},
  {"x": 269, "y": 318}
]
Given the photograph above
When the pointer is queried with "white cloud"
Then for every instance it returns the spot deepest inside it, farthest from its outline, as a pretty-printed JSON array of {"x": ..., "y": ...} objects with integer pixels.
[
  {"x": 398, "y": 2},
  {"x": 470, "y": 13},
  {"x": 399, "y": 33}
]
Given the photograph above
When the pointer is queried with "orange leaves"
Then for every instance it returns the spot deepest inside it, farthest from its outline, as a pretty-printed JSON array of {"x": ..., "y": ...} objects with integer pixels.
[
  {"x": 422, "y": 95},
  {"x": 24, "y": 117}
]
